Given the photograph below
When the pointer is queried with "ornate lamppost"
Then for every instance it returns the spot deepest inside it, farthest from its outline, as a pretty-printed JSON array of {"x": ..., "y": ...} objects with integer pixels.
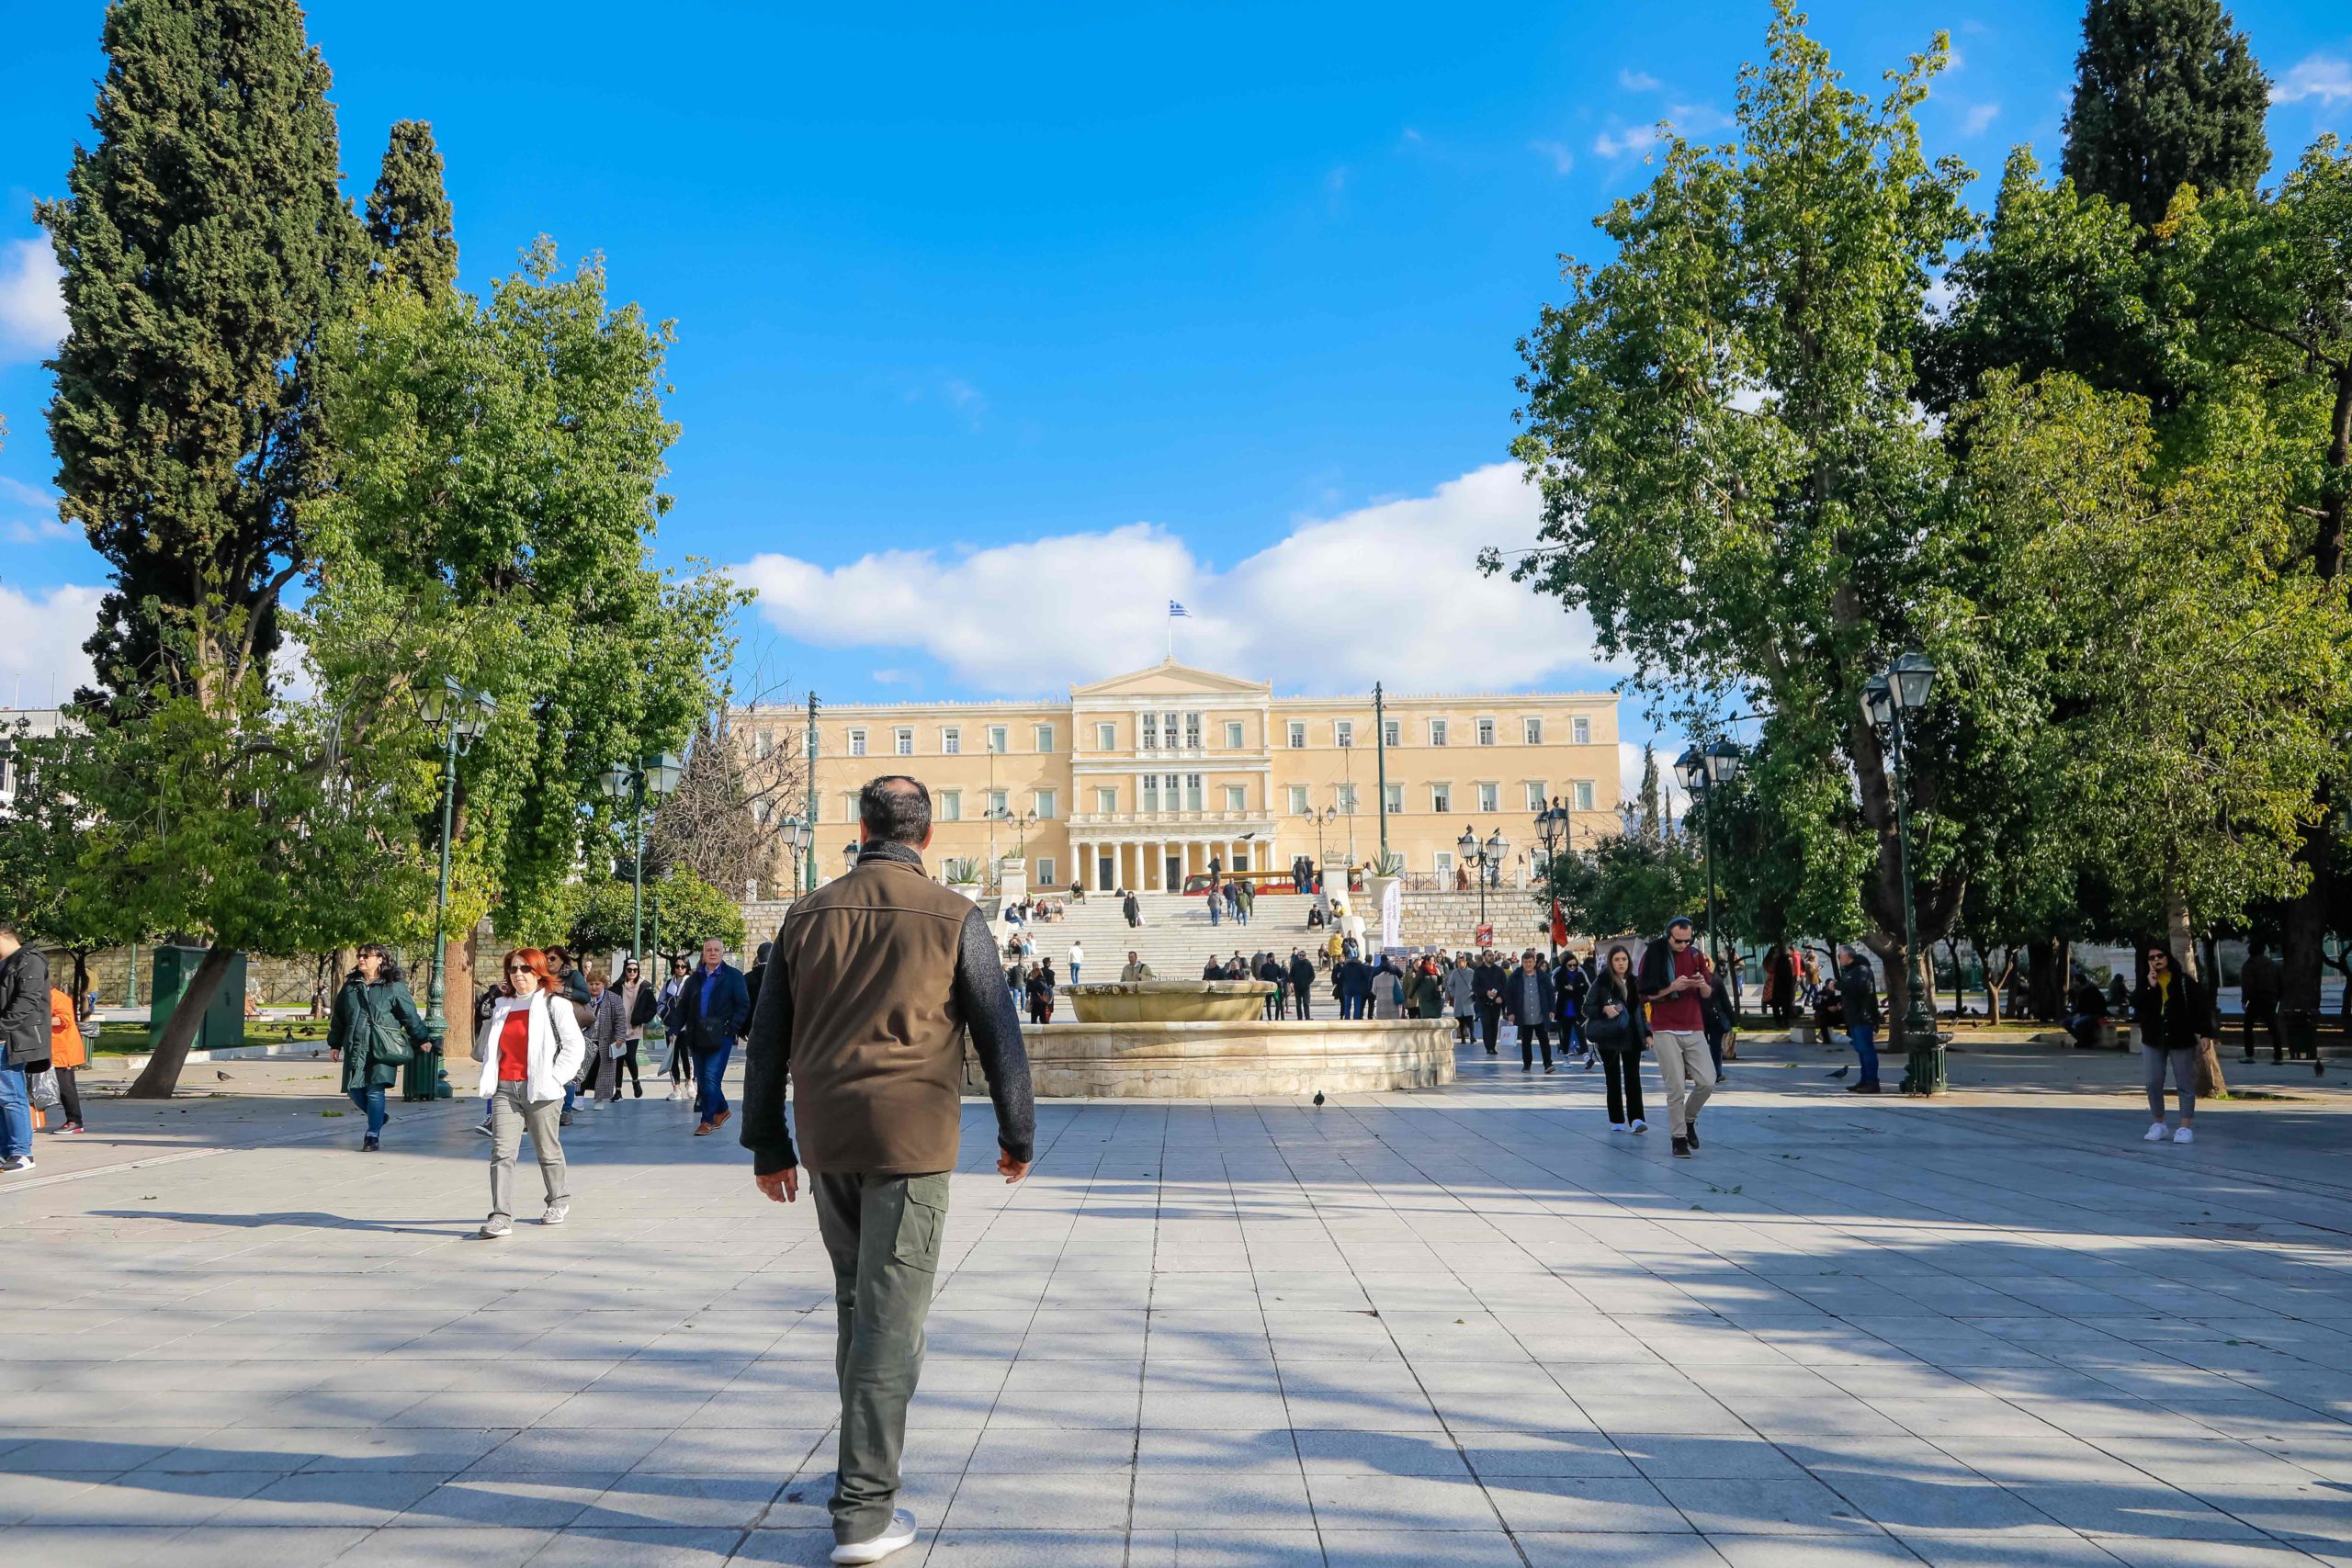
[
  {"x": 795, "y": 835},
  {"x": 1903, "y": 689},
  {"x": 1700, "y": 770},
  {"x": 1554, "y": 827},
  {"x": 635, "y": 783},
  {"x": 1486, "y": 857},
  {"x": 460, "y": 714}
]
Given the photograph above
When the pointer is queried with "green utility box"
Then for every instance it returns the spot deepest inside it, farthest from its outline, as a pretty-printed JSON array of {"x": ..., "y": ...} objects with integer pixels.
[{"x": 224, "y": 1021}]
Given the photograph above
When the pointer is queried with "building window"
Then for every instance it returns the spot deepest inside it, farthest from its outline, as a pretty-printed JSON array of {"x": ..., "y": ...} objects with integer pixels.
[
  {"x": 1191, "y": 732},
  {"x": 1150, "y": 793},
  {"x": 997, "y": 804},
  {"x": 1442, "y": 799},
  {"x": 1150, "y": 732},
  {"x": 997, "y": 742},
  {"x": 1237, "y": 798},
  {"x": 1045, "y": 739},
  {"x": 1395, "y": 796},
  {"x": 1106, "y": 737},
  {"x": 950, "y": 806},
  {"x": 1344, "y": 795},
  {"x": 1106, "y": 800},
  {"x": 1532, "y": 730},
  {"x": 1580, "y": 731},
  {"x": 1045, "y": 799},
  {"x": 1536, "y": 801},
  {"x": 1392, "y": 732},
  {"x": 1044, "y": 871},
  {"x": 857, "y": 743},
  {"x": 1299, "y": 800},
  {"x": 1490, "y": 798},
  {"x": 1443, "y": 864},
  {"x": 760, "y": 812},
  {"x": 1191, "y": 791},
  {"x": 1485, "y": 732},
  {"x": 1167, "y": 729},
  {"x": 1437, "y": 732},
  {"x": 762, "y": 744},
  {"x": 1582, "y": 794},
  {"x": 1233, "y": 734},
  {"x": 902, "y": 741},
  {"x": 1297, "y": 735},
  {"x": 1343, "y": 733},
  {"x": 951, "y": 742}
]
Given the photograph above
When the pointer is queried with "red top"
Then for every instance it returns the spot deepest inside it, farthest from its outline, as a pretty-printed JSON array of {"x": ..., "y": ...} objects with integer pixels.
[
  {"x": 1681, "y": 1010},
  {"x": 514, "y": 1047}
]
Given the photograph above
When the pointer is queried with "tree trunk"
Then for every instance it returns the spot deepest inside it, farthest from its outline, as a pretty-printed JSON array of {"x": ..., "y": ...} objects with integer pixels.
[
  {"x": 1952, "y": 947},
  {"x": 163, "y": 1071},
  {"x": 2045, "y": 983}
]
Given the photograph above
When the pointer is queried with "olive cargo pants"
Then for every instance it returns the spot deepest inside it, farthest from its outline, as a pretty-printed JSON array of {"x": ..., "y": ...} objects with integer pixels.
[{"x": 882, "y": 1233}]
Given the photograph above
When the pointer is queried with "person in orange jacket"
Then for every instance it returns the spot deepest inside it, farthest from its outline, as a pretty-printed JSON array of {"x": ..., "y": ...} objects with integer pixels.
[{"x": 66, "y": 1053}]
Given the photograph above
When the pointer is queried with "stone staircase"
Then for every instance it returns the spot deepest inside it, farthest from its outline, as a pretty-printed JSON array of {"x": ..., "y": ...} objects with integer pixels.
[{"x": 1175, "y": 939}]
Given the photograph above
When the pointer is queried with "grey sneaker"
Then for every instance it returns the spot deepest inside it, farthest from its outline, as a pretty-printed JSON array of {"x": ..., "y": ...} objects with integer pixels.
[
  {"x": 495, "y": 1227},
  {"x": 898, "y": 1534},
  {"x": 557, "y": 1212}
]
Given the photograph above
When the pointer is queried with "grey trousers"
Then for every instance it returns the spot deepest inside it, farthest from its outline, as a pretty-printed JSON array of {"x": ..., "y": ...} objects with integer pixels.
[
  {"x": 1682, "y": 1052},
  {"x": 2184, "y": 1080},
  {"x": 510, "y": 1113},
  {"x": 882, "y": 1233}
]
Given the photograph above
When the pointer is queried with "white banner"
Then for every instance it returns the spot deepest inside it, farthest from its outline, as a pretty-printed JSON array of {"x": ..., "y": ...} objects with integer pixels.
[{"x": 1391, "y": 917}]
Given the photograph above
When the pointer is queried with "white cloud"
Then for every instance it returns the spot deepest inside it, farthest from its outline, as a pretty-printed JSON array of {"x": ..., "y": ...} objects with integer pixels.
[
  {"x": 1562, "y": 158},
  {"x": 36, "y": 531},
  {"x": 40, "y": 659},
  {"x": 1614, "y": 143},
  {"x": 32, "y": 310},
  {"x": 1637, "y": 81},
  {"x": 2321, "y": 77},
  {"x": 1675, "y": 798},
  {"x": 1697, "y": 119},
  {"x": 1979, "y": 118},
  {"x": 1388, "y": 592}
]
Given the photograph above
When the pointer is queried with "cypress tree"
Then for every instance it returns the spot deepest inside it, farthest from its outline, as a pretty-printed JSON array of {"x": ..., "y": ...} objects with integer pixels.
[
  {"x": 204, "y": 243},
  {"x": 1653, "y": 822},
  {"x": 409, "y": 216},
  {"x": 2167, "y": 93}
]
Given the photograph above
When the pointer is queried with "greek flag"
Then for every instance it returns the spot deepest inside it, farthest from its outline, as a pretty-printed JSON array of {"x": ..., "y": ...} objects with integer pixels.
[{"x": 1176, "y": 609}]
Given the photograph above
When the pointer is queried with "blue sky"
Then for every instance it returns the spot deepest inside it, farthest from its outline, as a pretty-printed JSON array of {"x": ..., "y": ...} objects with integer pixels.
[{"x": 995, "y": 334}]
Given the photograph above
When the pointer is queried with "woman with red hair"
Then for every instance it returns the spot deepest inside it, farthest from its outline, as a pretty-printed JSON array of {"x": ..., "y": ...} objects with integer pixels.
[{"x": 529, "y": 1050}]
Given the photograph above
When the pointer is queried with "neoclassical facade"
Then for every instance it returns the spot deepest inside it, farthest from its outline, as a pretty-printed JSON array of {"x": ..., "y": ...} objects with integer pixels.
[{"x": 1139, "y": 779}]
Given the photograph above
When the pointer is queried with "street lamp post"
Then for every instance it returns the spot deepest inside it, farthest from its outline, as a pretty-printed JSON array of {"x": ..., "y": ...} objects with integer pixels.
[
  {"x": 1700, "y": 770},
  {"x": 1554, "y": 825},
  {"x": 633, "y": 783},
  {"x": 461, "y": 715},
  {"x": 796, "y": 838},
  {"x": 1321, "y": 818},
  {"x": 1486, "y": 857},
  {"x": 1903, "y": 689}
]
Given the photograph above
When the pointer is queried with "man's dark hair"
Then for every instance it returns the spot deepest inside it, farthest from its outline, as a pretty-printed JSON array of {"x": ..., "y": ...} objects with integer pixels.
[
  {"x": 1682, "y": 921},
  {"x": 10, "y": 927},
  {"x": 895, "y": 809}
]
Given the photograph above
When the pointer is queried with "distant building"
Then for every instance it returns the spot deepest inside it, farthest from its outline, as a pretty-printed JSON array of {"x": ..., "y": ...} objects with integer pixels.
[
  {"x": 15, "y": 722},
  {"x": 1137, "y": 781}
]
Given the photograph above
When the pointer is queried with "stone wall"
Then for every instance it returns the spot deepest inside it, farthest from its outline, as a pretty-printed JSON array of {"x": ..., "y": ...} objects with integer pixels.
[
  {"x": 1450, "y": 918},
  {"x": 1209, "y": 1060}
]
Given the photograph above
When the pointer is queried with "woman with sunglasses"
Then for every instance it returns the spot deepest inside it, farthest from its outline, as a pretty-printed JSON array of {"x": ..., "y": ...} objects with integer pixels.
[
  {"x": 637, "y": 1003},
  {"x": 682, "y": 1060},
  {"x": 530, "y": 1048},
  {"x": 2173, "y": 1015}
]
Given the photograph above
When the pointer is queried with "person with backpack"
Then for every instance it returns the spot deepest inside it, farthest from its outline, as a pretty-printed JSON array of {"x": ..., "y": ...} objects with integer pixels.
[
  {"x": 23, "y": 1042},
  {"x": 376, "y": 1030}
]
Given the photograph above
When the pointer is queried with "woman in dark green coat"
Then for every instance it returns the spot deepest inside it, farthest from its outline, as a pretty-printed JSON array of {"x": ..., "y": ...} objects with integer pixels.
[{"x": 376, "y": 1030}]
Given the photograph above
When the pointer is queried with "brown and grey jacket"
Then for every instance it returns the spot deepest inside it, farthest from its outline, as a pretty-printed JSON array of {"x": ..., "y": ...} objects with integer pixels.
[{"x": 875, "y": 981}]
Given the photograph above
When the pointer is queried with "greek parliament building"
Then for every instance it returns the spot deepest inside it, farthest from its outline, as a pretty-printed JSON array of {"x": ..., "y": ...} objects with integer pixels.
[{"x": 1137, "y": 781}]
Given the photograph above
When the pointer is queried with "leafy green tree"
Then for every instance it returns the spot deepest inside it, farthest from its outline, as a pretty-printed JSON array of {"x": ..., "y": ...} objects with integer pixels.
[
  {"x": 40, "y": 849},
  {"x": 205, "y": 243},
  {"x": 409, "y": 217},
  {"x": 2167, "y": 93},
  {"x": 683, "y": 911},
  {"x": 1738, "y": 483},
  {"x": 1628, "y": 885},
  {"x": 499, "y": 464}
]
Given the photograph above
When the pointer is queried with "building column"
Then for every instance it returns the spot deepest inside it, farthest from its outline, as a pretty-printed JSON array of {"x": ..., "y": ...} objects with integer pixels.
[
  {"x": 1081, "y": 874},
  {"x": 1153, "y": 875}
]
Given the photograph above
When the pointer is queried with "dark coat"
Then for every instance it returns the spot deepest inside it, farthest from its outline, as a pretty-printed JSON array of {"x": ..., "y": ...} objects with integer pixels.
[
  {"x": 1425, "y": 996},
  {"x": 730, "y": 1009},
  {"x": 1301, "y": 975},
  {"x": 1484, "y": 978},
  {"x": 1629, "y": 1031},
  {"x": 1351, "y": 977},
  {"x": 1515, "y": 997},
  {"x": 24, "y": 1006},
  {"x": 1858, "y": 995},
  {"x": 2173, "y": 1020},
  {"x": 368, "y": 1025}
]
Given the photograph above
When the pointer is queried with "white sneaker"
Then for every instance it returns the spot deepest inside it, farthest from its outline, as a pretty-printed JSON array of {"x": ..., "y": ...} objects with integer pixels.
[
  {"x": 1640, "y": 1125},
  {"x": 2156, "y": 1133},
  {"x": 557, "y": 1212},
  {"x": 17, "y": 1162},
  {"x": 899, "y": 1534},
  {"x": 1616, "y": 1126},
  {"x": 2185, "y": 1136}
]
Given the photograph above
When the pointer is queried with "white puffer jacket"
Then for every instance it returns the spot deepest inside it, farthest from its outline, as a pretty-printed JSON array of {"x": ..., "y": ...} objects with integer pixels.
[{"x": 556, "y": 1048}]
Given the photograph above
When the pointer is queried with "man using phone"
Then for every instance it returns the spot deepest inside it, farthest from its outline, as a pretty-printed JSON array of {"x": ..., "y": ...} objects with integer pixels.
[{"x": 1677, "y": 981}]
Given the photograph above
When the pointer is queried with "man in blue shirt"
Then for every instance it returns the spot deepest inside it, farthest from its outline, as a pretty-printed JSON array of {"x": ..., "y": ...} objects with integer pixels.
[{"x": 713, "y": 1007}]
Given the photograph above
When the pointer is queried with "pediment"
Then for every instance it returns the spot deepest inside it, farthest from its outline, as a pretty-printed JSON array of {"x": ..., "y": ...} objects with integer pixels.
[{"x": 1170, "y": 679}]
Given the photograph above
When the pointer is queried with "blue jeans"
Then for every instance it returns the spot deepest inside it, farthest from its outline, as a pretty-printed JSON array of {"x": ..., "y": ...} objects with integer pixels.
[
  {"x": 371, "y": 1101},
  {"x": 16, "y": 1113},
  {"x": 1217, "y": 911},
  {"x": 711, "y": 1076},
  {"x": 1073, "y": 974},
  {"x": 1866, "y": 1047}
]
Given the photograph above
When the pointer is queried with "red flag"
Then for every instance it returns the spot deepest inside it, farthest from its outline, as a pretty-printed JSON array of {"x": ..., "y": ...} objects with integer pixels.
[{"x": 1559, "y": 926}]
